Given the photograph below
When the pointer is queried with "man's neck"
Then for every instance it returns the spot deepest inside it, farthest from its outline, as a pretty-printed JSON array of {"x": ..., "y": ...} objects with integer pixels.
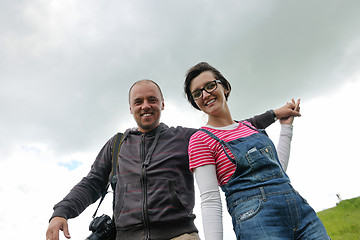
[{"x": 145, "y": 131}]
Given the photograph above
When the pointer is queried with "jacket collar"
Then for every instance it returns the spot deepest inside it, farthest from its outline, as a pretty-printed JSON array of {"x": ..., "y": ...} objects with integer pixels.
[{"x": 151, "y": 132}]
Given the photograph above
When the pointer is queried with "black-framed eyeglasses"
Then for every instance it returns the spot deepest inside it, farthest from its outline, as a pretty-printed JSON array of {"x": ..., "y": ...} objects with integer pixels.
[{"x": 209, "y": 87}]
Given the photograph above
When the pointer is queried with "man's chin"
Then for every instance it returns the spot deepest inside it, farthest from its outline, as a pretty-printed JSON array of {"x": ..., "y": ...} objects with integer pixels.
[{"x": 147, "y": 127}]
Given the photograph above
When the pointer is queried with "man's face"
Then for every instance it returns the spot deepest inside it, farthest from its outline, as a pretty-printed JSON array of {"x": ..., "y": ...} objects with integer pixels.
[{"x": 146, "y": 105}]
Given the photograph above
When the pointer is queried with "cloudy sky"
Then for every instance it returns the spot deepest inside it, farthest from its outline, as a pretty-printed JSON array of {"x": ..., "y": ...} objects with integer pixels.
[{"x": 66, "y": 67}]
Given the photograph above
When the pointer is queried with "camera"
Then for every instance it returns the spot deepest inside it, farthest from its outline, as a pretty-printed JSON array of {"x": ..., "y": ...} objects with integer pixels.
[{"x": 103, "y": 228}]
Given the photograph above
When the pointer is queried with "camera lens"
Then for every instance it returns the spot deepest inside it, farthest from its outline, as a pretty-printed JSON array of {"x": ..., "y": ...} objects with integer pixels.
[{"x": 103, "y": 228}]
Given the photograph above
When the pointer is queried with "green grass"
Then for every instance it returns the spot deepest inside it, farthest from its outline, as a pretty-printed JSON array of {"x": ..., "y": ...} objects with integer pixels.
[{"x": 343, "y": 221}]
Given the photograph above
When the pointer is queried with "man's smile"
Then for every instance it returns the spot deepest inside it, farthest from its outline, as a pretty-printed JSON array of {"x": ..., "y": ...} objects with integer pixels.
[{"x": 146, "y": 114}]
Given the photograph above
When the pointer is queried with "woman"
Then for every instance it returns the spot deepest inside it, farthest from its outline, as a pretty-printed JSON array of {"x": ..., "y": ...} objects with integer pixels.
[{"x": 244, "y": 162}]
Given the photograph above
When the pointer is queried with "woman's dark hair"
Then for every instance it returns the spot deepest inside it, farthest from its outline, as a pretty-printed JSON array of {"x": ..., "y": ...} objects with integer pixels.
[{"x": 196, "y": 71}]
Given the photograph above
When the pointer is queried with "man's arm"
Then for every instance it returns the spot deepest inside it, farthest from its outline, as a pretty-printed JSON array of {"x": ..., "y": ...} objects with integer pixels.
[
  {"x": 86, "y": 192},
  {"x": 264, "y": 120}
]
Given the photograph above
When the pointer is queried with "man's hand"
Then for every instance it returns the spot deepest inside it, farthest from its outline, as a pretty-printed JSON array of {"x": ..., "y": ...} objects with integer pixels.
[
  {"x": 291, "y": 109},
  {"x": 56, "y": 224}
]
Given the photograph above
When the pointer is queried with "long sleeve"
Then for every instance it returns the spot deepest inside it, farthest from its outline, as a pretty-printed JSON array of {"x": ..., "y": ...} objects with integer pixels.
[
  {"x": 262, "y": 121},
  {"x": 211, "y": 208},
  {"x": 284, "y": 144},
  {"x": 90, "y": 188}
]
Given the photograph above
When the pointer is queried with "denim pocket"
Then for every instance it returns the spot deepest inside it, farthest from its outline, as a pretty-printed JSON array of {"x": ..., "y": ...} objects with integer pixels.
[
  {"x": 263, "y": 164},
  {"x": 244, "y": 210}
]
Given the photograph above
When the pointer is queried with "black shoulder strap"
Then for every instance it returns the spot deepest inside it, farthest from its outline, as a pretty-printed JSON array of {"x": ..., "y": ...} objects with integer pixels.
[
  {"x": 118, "y": 140},
  {"x": 113, "y": 179}
]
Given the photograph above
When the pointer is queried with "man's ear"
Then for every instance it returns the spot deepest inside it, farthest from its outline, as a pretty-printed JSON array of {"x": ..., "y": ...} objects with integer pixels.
[
  {"x": 162, "y": 104},
  {"x": 130, "y": 110}
]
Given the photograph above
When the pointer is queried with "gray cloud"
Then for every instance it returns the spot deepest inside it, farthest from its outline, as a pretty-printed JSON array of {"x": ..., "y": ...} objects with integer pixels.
[{"x": 66, "y": 67}]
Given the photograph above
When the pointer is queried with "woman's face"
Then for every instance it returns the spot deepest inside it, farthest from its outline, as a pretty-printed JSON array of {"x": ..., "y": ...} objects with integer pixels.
[{"x": 211, "y": 103}]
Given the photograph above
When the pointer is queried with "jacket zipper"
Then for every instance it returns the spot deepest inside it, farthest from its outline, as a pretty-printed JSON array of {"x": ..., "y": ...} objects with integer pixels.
[{"x": 144, "y": 189}]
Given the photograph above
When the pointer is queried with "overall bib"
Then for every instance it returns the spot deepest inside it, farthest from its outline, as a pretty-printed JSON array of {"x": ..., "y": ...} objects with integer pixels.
[{"x": 259, "y": 197}]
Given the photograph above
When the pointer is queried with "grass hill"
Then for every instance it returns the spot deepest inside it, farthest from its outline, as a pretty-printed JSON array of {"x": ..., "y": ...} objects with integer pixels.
[{"x": 343, "y": 221}]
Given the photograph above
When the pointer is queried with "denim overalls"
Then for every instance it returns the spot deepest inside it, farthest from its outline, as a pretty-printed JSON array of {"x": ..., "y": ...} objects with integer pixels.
[{"x": 260, "y": 199}]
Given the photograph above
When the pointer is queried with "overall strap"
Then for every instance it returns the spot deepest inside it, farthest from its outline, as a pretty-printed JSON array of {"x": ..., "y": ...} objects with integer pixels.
[
  {"x": 223, "y": 144},
  {"x": 211, "y": 134},
  {"x": 253, "y": 128}
]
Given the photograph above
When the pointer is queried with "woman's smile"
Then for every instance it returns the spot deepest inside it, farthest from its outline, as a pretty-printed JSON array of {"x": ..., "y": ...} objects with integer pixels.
[{"x": 210, "y": 102}]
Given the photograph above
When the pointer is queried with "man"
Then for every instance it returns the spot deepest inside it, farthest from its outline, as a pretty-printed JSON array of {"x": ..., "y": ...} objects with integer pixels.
[{"x": 155, "y": 189}]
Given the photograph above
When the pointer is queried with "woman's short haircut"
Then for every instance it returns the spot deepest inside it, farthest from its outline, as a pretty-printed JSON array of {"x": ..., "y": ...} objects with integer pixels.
[{"x": 195, "y": 71}]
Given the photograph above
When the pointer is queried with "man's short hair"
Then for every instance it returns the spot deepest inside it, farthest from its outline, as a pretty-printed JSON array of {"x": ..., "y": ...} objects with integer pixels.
[{"x": 149, "y": 81}]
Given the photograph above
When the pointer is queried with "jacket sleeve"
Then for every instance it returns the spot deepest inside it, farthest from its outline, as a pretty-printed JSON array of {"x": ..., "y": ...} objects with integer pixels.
[
  {"x": 262, "y": 121},
  {"x": 90, "y": 188}
]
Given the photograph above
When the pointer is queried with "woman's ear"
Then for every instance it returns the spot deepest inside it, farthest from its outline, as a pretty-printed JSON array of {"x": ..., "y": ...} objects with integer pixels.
[{"x": 227, "y": 92}]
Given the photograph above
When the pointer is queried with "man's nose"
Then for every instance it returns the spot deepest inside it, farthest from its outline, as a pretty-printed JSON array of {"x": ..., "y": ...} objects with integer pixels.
[{"x": 146, "y": 105}]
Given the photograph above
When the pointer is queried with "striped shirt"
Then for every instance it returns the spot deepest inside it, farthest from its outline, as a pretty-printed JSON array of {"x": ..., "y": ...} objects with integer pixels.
[{"x": 204, "y": 150}]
